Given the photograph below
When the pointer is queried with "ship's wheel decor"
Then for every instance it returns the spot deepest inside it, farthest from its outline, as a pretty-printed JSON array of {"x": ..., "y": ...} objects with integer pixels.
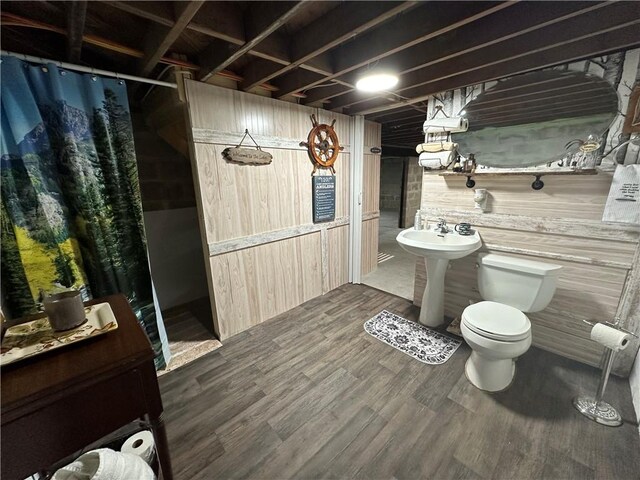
[{"x": 323, "y": 145}]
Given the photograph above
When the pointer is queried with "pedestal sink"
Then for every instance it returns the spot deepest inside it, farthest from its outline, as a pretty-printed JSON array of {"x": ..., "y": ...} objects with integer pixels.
[{"x": 437, "y": 248}]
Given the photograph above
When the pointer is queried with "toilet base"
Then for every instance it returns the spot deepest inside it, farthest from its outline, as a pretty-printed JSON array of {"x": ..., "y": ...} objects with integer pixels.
[{"x": 488, "y": 374}]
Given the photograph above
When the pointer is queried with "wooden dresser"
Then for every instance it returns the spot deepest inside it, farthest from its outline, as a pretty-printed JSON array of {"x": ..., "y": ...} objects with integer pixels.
[{"x": 57, "y": 403}]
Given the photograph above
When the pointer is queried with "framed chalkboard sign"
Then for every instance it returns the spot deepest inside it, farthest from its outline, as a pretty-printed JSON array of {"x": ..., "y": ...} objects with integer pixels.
[{"x": 324, "y": 198}]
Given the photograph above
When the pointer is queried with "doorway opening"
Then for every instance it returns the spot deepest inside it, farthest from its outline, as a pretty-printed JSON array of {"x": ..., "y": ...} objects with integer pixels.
[
  {"x": 173, "y": 241},
  {"x": 400, "y": 195}
]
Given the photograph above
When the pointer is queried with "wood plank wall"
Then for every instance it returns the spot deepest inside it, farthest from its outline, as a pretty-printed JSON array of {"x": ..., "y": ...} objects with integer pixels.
[
  {"x": 559, "y": 224},
  {"x": 371, "y": 197},
  {"x": 265, "y": 255}
]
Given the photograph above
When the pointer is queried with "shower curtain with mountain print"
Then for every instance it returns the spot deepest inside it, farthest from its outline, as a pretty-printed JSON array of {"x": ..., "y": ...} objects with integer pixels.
[{"x": 71, "y": 209}]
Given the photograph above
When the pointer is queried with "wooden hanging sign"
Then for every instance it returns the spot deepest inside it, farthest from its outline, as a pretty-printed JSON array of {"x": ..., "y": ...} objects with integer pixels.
[{"x": 247, "y": 156}]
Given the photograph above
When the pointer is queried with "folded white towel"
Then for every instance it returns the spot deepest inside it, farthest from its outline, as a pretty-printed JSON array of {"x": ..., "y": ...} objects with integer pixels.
[
  {"x": 106, "y": 464},
  {"x": 438, "y": 160},
  {"x": 435, "y": 147}
]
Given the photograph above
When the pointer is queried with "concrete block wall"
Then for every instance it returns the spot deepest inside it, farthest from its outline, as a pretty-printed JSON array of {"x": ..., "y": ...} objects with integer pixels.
[
  {"x": 412, "y": 192},
  {"x": 391, "y": 183}
]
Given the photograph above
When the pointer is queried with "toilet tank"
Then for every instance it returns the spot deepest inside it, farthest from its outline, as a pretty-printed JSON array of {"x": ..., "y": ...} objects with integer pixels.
[{"x": 524, "y": 284}]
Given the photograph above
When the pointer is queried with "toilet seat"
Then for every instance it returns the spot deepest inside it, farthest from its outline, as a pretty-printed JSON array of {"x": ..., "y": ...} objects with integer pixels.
[{"x": 497, "y": 321}]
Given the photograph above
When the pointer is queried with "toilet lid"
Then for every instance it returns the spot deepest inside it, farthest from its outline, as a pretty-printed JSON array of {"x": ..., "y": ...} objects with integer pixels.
[{"x": 496, "y": 320}]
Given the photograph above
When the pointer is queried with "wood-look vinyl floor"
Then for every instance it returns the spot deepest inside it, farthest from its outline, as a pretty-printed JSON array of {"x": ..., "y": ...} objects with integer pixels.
[{"x": 310, "y": 395}]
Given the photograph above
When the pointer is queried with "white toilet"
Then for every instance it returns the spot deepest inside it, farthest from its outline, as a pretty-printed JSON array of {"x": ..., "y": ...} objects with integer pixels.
[{"x": 496, "y": 329}]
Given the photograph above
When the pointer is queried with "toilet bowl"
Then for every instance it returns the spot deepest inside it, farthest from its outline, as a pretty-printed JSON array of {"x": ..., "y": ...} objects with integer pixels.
[
  {"x": 497, "y": 335},
  {"x": 496, "y": 329}
]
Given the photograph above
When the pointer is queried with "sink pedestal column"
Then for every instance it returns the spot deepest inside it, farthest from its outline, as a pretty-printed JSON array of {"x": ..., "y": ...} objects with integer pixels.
[{"x": 432, "y": 310}]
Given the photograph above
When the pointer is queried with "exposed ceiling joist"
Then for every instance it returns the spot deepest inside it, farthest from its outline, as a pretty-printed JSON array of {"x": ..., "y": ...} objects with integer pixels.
[
  {"x": 397, "y": 116},
  {"x": 263, "y": 22},
  {"x": 321, "y": 49},
  {"x": 76, "y": 15},
  {"x": 591, "y": 23},
  {"x": 588, "y": 45},
  {"x": 223, "y": 21},
  {"x": 397, "y": 151},
  {"x": 159, "y": 39},
  {"x": 523, "y": 18},
  {"x": 337, "y": 26},
  {"x": 413, "y": 27}
]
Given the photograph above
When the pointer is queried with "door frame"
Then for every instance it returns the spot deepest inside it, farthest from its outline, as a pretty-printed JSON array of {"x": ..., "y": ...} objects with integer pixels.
[{"x": 356, "y": 169}]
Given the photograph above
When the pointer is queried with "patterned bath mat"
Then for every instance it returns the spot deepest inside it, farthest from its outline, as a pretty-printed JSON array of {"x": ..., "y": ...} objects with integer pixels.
[{"x": 414, "y": 339}]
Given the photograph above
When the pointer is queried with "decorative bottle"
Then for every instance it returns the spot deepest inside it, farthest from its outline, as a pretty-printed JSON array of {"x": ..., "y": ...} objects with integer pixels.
[{"x": 417, "y": 222}]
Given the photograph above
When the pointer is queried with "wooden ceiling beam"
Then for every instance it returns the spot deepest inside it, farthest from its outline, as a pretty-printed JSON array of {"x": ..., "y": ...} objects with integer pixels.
[
  {"x": 390, "y": 150},
  {"x": 264, "y": 20},
  {"x": 76, "y": 15},
  {"x": 523, "y": 18},
  {"x": 582, "y": 46},
  {"x": 223, "y": 21},
  {"x": 385, "y": 118},
  {"x": 160, "y": 38},
  {"x": 335, "y": 27},
  {"x": 408, "y": 136},
  {"x": 410, "y": 28}
]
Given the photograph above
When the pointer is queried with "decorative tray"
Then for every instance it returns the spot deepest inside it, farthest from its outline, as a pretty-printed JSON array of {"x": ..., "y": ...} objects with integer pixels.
[{"x": 37, "y": 336}]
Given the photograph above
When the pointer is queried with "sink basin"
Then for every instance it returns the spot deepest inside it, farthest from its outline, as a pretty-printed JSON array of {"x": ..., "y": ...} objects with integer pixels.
[
  {"x": 429, "y": 243},
  {"x": 438, "y": 249}
]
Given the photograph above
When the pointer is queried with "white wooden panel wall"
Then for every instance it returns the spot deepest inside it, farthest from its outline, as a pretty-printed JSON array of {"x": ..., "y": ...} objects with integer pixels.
[
  {"x": 265, "y": 254},
  {"x": 559, "y": 224},
  {"x": 371, "y": 197}
]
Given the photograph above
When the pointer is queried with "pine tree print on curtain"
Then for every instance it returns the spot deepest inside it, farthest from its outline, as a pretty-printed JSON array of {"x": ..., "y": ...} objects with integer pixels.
[{"x": 71, "y": 210}]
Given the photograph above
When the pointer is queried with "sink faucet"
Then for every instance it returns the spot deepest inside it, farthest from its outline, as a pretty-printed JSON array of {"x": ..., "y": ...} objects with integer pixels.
[{"x": 442, "y": 226}]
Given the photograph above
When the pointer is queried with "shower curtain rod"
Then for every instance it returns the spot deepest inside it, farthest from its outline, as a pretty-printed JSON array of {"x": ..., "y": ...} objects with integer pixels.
[{"x": 95, "y": 71}]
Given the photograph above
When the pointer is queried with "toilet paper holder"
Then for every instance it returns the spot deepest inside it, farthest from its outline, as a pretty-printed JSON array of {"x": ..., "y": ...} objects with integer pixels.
[
  {"x": 594, "y": 408},
  {"x": 612, "y": 325}
]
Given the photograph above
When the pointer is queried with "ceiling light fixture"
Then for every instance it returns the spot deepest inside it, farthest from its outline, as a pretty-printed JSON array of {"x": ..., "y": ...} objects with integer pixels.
[{"x": 377, "y": 82}]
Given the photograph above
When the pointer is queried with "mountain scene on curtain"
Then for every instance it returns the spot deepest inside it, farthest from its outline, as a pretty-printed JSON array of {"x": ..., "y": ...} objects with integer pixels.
[{"x": 71, "y": 210}]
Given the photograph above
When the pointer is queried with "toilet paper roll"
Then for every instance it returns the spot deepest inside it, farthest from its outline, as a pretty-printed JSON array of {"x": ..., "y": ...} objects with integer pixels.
[
  {"x": 610, "y": 337},
  {"x": 141, "y": 444},
  {"x": 450, "y": 124}
]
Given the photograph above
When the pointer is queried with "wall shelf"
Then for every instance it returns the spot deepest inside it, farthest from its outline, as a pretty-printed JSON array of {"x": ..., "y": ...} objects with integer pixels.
[
  {"x": 536, "y": 185},
  {"x": 590, "y": 171}
]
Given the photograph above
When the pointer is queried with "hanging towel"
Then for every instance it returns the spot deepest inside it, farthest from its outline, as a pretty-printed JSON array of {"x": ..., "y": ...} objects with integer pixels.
[
  {"x": 106, "y": 464},
  {"x": 434, "y": 147},
  {"x": 449, "y": 125},
  {"x": 623, "y": 203}
]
